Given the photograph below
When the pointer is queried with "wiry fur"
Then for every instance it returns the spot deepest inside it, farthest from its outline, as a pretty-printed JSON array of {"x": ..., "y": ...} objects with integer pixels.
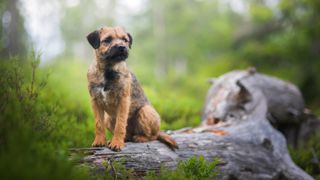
[{"x": 118, "y": 101}]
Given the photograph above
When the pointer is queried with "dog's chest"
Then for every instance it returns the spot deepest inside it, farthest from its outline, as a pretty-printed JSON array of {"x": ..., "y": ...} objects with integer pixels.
[
  {"x": 107, "y": 92},
  {"x": 103, "y": 94}
]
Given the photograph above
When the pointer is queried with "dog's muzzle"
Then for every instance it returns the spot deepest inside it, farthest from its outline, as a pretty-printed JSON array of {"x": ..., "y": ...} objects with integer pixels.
[{"x": 117, "y": 53}]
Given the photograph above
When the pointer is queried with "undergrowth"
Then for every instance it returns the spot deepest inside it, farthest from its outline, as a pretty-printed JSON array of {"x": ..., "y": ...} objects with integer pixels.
[
  {"x": 35, "y": 130},
  {"x": 195, "y": 168},
  {"x": 308, "y": 156}
]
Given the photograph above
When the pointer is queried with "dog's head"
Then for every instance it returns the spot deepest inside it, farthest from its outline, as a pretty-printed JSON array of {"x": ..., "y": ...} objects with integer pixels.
[{"x": 110, "y": 43}]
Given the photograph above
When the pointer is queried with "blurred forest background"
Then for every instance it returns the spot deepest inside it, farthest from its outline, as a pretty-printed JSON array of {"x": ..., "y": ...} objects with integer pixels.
[{"x": 177, "y": 45}]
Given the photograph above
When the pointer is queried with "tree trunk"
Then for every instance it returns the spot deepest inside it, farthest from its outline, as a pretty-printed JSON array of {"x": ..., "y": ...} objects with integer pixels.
[{"x": 12, "y": 31}]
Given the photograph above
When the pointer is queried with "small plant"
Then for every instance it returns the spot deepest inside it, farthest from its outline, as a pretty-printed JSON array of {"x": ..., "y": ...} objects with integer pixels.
[
  {"x": 198, "y": 168},
  {"x": 117, "y": 170},
  {"x": 307, "y": 157},
  {"x": 195, "y": 168}
]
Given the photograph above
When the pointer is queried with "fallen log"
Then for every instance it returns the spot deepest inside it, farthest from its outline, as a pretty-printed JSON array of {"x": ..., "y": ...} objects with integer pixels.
[
  {"x": 241, "y": 112},
  {"x": 285, "y": 105}
]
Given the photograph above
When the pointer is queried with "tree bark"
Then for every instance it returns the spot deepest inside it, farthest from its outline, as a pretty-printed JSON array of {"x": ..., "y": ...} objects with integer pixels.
[
  {"x": 12, "y": 31},
  {"x": 236, "y": 127}
]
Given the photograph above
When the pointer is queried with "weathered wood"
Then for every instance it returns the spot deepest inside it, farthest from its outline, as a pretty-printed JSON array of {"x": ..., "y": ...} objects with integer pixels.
[
  {"x": 236, "y": 129},
  {"x": 285, "y": 105}
]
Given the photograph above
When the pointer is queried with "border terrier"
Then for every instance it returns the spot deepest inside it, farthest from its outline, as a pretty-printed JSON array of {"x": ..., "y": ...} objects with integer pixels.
[{"x": 118, "y": 101}]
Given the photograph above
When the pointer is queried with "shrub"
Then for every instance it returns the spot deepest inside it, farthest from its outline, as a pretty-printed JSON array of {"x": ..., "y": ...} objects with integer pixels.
[{"x": 32, "y": 125}]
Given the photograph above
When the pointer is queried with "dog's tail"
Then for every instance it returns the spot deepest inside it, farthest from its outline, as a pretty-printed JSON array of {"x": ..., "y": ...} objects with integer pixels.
[{"x": 168, "y": 140}]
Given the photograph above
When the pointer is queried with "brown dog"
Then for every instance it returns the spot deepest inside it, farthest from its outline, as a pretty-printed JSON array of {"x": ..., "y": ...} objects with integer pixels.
[{"x": 118, "y": 100}]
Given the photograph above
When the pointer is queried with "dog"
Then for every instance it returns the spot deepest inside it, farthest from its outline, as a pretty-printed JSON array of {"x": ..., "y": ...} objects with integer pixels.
[{"x": 118, "y": 101}]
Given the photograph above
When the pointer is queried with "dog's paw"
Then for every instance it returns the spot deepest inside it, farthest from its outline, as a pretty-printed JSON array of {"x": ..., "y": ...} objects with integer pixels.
[
  {"x": 116, "y": 145},
  {"x": 99, "y": 142}
]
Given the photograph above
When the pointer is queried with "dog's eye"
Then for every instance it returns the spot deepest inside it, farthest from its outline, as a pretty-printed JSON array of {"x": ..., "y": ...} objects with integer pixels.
[
  {"x": 107, "y": 40},
  {"x": 124, "y": 39}
]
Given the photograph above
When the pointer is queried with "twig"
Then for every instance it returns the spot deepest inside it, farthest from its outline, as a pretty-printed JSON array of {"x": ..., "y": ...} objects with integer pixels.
[
  {"x": 33, "y": 79},
  {"x": 315, "y": 158}
]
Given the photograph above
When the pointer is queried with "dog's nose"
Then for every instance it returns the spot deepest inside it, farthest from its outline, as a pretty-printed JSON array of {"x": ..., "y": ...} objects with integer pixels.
[{"x": 121, "y": 48}]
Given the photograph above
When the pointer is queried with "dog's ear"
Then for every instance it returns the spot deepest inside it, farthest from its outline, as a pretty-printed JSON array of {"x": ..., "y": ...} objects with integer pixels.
[
  {"x": 94, "y": 39},
  {"x": 130, "y": 40}
]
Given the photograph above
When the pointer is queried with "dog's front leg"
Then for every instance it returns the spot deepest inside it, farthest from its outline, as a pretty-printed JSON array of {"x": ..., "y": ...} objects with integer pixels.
[
  {"x": 117, "y": 141},
  {"x": 100, "y": 139}
]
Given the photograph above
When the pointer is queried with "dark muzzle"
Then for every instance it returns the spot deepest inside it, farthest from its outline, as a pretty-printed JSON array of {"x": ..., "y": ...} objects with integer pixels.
[{"x": 117, "y": 53}]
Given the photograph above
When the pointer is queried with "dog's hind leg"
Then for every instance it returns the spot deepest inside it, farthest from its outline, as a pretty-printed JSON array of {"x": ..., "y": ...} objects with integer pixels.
[{"x": 148, "y": 124}]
